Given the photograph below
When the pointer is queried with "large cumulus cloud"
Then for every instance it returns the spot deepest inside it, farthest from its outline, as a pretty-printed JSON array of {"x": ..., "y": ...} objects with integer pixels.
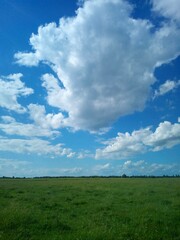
[{"x": 104, "y": 62}]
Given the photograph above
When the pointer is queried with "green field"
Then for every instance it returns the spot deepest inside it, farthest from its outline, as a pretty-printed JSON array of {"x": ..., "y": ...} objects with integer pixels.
[{"x": 90, "y": 209}]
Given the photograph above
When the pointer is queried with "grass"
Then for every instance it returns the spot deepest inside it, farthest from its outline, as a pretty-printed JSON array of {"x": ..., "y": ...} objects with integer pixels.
[{"x": 90, "y": 209}]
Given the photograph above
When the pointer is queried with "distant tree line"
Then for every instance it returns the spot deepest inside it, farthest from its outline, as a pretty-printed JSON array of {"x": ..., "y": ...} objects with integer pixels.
[{"x": 96, "y": 176}]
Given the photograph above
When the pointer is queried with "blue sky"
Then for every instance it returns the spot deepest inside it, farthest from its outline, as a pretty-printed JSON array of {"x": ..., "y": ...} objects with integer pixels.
[{"x": 89, "y": 87}]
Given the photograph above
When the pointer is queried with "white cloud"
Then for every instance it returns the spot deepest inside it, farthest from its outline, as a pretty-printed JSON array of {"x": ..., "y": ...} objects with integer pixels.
[
  {"x": 166, "y": 135},
  {"x": 102, "y": 167},
  {"x": 130, "y": 167},
  {"x": 34, "y": 145},
  {"x": 27, "y": 59},
  {"x": 166, "y": 87},
  {"x": 11, "y": 88},
  {"x": 124, "y": 145},
  {"x": 168, "y": 8},
  {"x": 44, "y": 125},
  {"x": 39, "y": 116},
  {"x": 84, "y": 154},
  {"x": 12, "y": 163},
  {"x": 142, "y": 167},
  {"x": 104, "y": 61},
  {"x": 14, "y": 167},
  {"x": 7, "y": 119},
  {"x": 11, "y": 127},
  {"x": 104, "y": 170},
  {"x": 74, "y": 171}
]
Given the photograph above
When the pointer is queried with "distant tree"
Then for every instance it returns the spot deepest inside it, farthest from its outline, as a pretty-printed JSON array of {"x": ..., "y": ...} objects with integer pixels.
[{"x": 124, "y": 175}]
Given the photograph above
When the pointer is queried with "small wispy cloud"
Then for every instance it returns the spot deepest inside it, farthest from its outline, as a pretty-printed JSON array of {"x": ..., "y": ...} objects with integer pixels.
[{"x": 166, "y": 87}]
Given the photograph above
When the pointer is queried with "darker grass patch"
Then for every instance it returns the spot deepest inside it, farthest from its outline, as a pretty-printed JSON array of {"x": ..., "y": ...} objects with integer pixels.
[
  {"x": 79, "y": 203},
  {"x": 20, "y": 192},
  {"x": 166, "y": 202},
  {"x": 56, "y": 226}
]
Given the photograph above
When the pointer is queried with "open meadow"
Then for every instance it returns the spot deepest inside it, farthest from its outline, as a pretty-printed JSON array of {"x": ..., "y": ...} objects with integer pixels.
[{"x": 90, "y": 209}]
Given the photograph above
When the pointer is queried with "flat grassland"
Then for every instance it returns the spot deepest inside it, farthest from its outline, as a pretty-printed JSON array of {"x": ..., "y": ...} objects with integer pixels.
[{"x": 90, "y": 209}]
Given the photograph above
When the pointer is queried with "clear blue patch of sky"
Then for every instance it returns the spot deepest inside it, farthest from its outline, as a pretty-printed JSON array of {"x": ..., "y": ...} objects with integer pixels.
[
  {"x": 19, "y": 19},
  {"x": 166, "y": 156},
  {"x": 78, "y": 140},
  {"x": 142, "y": 9},
  {"x": 168, "y": 71}
]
